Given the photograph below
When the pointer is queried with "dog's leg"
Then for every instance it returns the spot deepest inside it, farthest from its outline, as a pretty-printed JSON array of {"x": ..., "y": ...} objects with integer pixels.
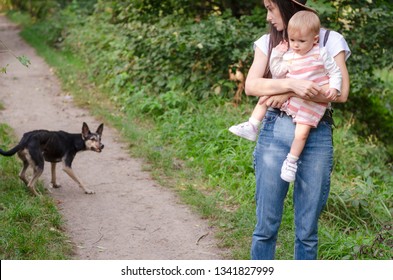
[
  {"x": 71, "y": 173},
  {"x": 31, "y": 185},
  {"x": 22, "y": 173},
  {"x": 53, "y": 172},
  {"x": 36, "y": 161}
]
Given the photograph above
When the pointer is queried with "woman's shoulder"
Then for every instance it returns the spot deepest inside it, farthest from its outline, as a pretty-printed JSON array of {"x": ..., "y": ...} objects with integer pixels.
[
  {"x": 263, "y": 43},
  {"x": 264, "y": 37},
  {"x": 332, "y": 35},
  {"x": 334, "y": 42}
]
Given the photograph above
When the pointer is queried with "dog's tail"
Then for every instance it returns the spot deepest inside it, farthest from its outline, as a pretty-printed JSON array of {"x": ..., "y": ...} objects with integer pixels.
[{"x": 11, "y": 152}]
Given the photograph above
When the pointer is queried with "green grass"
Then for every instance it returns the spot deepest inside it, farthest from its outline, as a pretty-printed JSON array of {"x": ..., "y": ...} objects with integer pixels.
[
  {"x": 30, "y": 227},
  {"x": 193, "y": 153}
]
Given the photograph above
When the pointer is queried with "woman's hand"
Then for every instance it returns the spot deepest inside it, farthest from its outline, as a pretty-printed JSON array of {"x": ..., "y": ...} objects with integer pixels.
[{"x": 303, "y": 88}]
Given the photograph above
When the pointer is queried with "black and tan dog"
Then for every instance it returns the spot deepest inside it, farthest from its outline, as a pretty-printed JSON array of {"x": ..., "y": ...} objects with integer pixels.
[{"x": 38, "y": 146}]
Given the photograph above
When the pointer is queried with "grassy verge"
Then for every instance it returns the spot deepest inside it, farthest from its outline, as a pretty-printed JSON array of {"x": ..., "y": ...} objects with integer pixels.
[
  {"x": 193, "y": 153},
  {"x": 30, "y": 227}
]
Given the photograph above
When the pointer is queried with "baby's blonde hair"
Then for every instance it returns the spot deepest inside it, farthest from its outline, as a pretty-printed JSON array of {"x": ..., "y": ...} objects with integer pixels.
[{"x": 304, "y": 21}]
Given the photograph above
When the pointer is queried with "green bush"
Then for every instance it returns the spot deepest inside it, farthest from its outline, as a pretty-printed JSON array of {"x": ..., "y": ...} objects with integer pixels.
[
  {"x": 174, "y": 55},
  {"x": 367, "y": 28}
]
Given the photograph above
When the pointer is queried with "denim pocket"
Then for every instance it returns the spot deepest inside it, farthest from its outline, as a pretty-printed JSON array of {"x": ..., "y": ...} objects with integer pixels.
[
  {"x": 269, "y": 120},
  {"x": 271, "y": 116}
]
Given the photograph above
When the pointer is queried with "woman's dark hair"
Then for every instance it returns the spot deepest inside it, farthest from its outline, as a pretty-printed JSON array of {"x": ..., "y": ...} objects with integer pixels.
[{"x": 287, "y": 9}]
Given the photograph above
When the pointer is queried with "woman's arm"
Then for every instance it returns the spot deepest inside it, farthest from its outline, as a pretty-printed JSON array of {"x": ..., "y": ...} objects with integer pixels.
[
  {"x": 340, "y": 61},
  {"x": 256, "y": 85}
]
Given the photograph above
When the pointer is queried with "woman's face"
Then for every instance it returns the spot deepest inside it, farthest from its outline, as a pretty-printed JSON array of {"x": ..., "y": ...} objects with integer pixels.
[{"x": 274, "y": 15}]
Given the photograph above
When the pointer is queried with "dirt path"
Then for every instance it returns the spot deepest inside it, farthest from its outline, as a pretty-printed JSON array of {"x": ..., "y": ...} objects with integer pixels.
[{"x": 130, "y": 216}]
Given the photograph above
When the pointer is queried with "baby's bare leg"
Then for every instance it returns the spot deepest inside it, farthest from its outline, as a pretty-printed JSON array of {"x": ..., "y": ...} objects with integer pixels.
[
  {"x": 301, "y": 134},
  {"x": 259, "y": 111}
]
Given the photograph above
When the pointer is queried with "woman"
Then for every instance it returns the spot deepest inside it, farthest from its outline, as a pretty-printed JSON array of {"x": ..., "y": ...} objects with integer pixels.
[{"x": 312, "y": 184}]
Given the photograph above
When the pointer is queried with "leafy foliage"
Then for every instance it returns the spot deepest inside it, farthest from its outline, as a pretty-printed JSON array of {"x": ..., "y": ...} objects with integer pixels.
[
  {"x": 367, "y": 26},
  {"x": 176, "y": 55},
  {"x": 154, "y": 10}
]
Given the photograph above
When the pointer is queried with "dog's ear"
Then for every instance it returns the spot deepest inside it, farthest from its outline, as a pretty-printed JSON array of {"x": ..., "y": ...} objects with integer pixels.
[
  {"x": 85, "y": 131},
  {"x": 100, "y": 129}
]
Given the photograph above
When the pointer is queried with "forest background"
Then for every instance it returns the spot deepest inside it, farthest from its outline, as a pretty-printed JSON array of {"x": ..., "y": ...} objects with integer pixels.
[{"x": 158, "y": 71}]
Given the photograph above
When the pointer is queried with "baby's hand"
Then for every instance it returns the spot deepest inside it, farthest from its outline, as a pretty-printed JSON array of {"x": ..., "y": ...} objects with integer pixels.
[
  {"x": 282, "y": 46},
  {"x": 331, "y": 94}
]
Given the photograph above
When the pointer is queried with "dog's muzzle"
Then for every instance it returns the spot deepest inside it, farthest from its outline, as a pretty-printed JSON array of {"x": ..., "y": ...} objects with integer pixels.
[
  {"x": 101, "y": 148},
  {"x": 97, "y": 149}
]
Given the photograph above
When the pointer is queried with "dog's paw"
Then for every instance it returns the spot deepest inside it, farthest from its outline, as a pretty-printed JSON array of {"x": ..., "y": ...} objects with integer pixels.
[
  {"x": 89, "y": 192},
  {"x": 56, "y": 186},
  {"x": 34, "y": 191}
]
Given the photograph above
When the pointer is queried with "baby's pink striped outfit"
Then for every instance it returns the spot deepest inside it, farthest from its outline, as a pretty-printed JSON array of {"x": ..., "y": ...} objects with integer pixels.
[{"x": 317, "y": 66}]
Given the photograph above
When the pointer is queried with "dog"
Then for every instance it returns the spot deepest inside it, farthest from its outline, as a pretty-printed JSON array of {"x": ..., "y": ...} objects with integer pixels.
[{"x": 38, "y": 146}]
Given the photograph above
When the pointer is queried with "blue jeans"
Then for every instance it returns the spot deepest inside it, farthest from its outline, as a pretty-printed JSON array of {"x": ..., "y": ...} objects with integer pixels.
[{"x": 311, "y": 188}]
